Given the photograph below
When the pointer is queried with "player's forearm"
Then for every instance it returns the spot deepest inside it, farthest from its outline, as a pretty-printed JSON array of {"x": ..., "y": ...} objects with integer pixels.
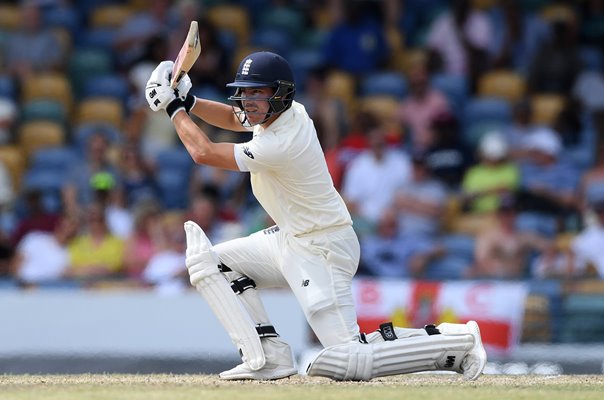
[
  {"x": 200, "y": 147},
  {"x": 216, "y": 114}
]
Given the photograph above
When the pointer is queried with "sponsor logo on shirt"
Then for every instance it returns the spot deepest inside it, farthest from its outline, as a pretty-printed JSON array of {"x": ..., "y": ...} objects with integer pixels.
[{"x": 247, "y": 152}]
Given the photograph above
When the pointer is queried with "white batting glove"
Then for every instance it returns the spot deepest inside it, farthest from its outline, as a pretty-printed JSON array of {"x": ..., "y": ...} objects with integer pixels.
[
  {"x": 183, "y": 87},
  {"x": 158, "y": 91}
]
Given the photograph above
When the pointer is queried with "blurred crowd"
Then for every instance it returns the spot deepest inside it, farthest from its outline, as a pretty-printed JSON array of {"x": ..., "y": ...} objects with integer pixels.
[{"x": 464, "y": 135}]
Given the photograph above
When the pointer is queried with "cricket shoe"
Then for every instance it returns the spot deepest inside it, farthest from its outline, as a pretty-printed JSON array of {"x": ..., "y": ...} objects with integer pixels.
[
  {"x": 476, "y": 359},
  {"x": 279, "y": 364}
]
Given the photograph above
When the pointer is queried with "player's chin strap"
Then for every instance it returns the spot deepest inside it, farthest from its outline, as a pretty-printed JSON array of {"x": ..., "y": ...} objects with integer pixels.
[
  {"x": 393, "y": 351},
  {"x": 202, "y": 263}
]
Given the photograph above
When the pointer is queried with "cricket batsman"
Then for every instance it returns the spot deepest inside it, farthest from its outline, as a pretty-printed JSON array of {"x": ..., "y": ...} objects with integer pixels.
[{"x": 312, "y": 250}]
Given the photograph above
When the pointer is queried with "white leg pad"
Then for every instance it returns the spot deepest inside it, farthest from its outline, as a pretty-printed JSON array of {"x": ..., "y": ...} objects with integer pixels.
[
  {"x": 364, "y": 361},
  {"x": 202, "y": 263}
]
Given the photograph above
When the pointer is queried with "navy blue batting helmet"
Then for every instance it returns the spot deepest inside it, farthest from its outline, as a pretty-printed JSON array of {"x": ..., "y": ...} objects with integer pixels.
[{"x": 266, "y": 69}]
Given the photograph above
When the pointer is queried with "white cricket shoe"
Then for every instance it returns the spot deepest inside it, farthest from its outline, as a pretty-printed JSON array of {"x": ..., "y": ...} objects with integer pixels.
[
  {"x": 279, "y": 364},
  {"x": 473, "y": 364}
]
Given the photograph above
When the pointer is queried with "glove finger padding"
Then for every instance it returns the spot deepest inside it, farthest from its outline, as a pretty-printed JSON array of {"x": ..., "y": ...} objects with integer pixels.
[
  {"x": 158, "y": 91},
  {"x": 183, "y": 87}
]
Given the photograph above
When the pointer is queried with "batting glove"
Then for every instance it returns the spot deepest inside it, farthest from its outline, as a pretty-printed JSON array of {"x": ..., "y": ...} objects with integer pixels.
[{"x": 158, "y": 91}]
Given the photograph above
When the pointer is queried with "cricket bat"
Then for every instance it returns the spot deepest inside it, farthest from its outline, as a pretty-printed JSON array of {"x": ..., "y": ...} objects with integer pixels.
[{"x": 188, "y": 54}]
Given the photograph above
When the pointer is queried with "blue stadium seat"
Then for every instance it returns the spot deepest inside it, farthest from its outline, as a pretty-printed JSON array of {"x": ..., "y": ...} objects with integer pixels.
[
  {"x": 49, "y": 183},
  {"x": 486, "y": 109},
  {"x": 99, "y": 38},
  {"x": 384, "y": 83},
  {"x": 7, "y": 87},
  {"x": 108, "y": 85},
  {"x": 448, "y": 267},
  {"x": 591, "y": 58},
  {"x": 174, "y": 188},
  {"x": 82, "y": 132},
  {"x": 43, "y": 109},
  {"x": 303, "y": 61},
  {"x": 54, "y": 159},
  {"x": 454, "y": 87},
  {"x": 64, "y": 17},
  {"x": 274, "y": 40},
  {"x": 175, "y": 158}
]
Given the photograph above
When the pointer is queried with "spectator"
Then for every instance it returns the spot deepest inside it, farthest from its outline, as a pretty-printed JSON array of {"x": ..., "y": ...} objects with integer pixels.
[
  {"x": 592, "y": 23},
  {"x": 591, "y": 189},
  {"x": 7, "y": 197},
  {"x": 503, "y": 252},
  {"x": 554, "y": 68},
  {"x": 144, "y": 241},
  {"x": 517, "y": 36},
  {"x": 205, "y": 211},
  {"x": 461, "y": 37},
  {"x": 140, "y": 28},
  {"x": 447, "y": 157},
  {"x": 328, "y": 112},
  {"x": 34, "y": 48},
  {"x": 137, "y": 178},
  {"x": 110, "y": 196},
  {"x": 8, "y": 118},
  {"x": 419, "y": 110},
  {"x": 357, "y": 44},
  {"x": 548, "y": 185},
  {"x": 586, "y": 256},
  {"x": 484, "y": 183},
  {"x": 36, "y": 217},
  {"x": 420, "y": 202},
  {"x": 389, "y": 254},
  {"x": 166, "y": 269},
  {"x": 373, "y": 177},
  {"x": 95, "y": 253},
  {"x": 77, "y": 192},
  {"x": 43, "y": 256}
]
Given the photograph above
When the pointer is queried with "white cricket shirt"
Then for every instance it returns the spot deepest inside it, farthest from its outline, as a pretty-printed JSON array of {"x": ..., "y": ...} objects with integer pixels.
[{"x": 289, "y": 174}]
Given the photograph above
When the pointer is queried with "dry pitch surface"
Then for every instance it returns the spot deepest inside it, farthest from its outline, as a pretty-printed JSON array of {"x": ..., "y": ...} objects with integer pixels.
[{"x": 209, "y": 387}]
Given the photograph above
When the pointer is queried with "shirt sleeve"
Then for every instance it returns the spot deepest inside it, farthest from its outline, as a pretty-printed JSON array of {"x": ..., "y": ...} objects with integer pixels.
[{"x": 262, "y": 153}]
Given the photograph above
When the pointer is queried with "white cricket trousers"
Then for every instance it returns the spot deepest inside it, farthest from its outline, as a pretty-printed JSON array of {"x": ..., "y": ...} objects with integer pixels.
[{"x": 318, "y": 268}]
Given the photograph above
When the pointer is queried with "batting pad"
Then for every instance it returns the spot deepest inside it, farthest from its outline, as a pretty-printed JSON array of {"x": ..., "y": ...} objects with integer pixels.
[
  {"x": 364, "y": 361},
  {"x": 211, "y": 284}
]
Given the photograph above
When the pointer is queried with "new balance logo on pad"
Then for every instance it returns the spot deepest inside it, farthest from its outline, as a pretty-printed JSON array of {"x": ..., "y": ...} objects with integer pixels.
[{"x": 450, "y": 362}]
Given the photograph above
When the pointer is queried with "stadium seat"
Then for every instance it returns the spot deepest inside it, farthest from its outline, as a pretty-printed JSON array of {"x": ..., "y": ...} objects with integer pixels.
[
  {"x": 454, "y": 87},
  {"x": 102, "y": 110},
  {"x": 384, "y": 83},
  {"x": 274, "y": 40},
  {"x": 591, "y": 58},
  {"x": 97, "y": 38},
  {"x": 174, "y": 188},
  {"x": 472, "y": 133},
  {"x": 505, "y": 84},
  {"x": 231, "y": 17},
  {"x": 342, "y": 86},
  {"x": 7, "y": 87},
  {"x": 546, "y": 107},
  {"x": 82, "y": 132},
  {"x": 53, "y": 86},
  {"x": 44, "y": 109},
  {"x": 283, "y": 19},
  {"x": 175, "y": 158},
  {"x": 49, "y": 183},
  {"x": 384, "y": 108},
  {"x": 87, "y": 62},
  {"x": 109, "y": 85},
  {"x": 486, "y": 109},
  {"x": 558, "y": 12},
  {"x": 54, "y": 159},
  {"x": 10, "y": 17},
  {"x": 62, "y": 17},
  {"x": 110, "y": 16},
  {"x": 36, "y": 135},
  {"x": 303, "y": 61},
  {"x": 13, "y": 159}
]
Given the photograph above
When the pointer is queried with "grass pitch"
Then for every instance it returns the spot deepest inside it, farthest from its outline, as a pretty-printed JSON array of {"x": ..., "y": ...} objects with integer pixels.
[{"x": 209, "y": 387}]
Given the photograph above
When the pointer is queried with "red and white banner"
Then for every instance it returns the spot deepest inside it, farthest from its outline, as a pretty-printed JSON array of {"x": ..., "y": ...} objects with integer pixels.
[{"x": 498, "y": 307}]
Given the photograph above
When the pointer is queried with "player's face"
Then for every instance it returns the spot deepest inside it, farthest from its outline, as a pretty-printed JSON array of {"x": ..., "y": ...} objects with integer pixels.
[{"x": 255, "y": 103}]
